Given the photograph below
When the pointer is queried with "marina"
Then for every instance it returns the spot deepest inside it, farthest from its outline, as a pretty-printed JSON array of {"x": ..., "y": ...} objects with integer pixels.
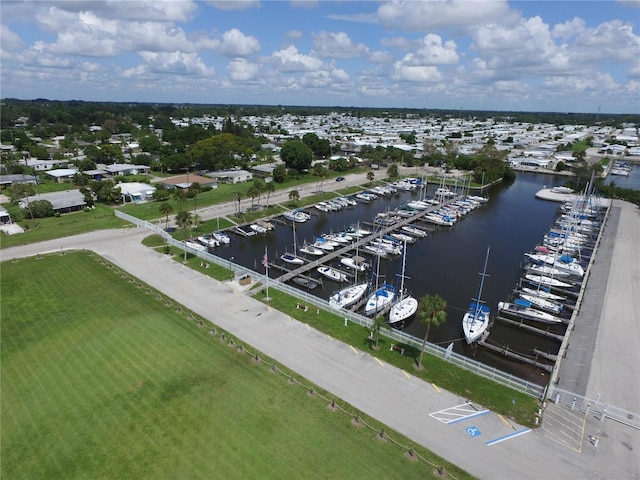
[{"x": 441, "y": 260}]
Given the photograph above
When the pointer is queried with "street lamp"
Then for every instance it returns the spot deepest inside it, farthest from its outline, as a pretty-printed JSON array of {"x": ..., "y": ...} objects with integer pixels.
[{"x": 233, "y": 274}]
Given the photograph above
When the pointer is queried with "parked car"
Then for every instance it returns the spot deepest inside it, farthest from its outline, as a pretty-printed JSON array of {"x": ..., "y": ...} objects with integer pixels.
[{"x": 339, "y": 179}]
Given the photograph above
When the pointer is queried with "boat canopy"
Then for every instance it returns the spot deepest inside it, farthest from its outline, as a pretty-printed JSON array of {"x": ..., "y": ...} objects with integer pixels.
[
  {"x": 566, "y": 258},
  {"x": 522, "y": 303},
  {"x": 479, "y": 306}
]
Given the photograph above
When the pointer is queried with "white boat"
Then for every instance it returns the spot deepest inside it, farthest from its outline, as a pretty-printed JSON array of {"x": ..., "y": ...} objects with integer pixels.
[
  {"x": 439, "y": 220},
  {"x": 257, "y": 228},
  {"x": 208, "y": 241},
  {"x": 348, "y": 296},
  {"x": 323, "y": 244},
  {"x": 355, "y": 263},
  {"x": 522, "y": 308},
  {"x": 411, "y": 230},
  {"x": 380, "y": 299},
  {"x": 476, "y": 320},
  {"x": 195, "y": 246},
  {"x": 296, "y": 215},
  {"x": 332, "y": 274},
  {"x": 322, "y": 207},
  {"x": 331, "y": 241},
  {"x": 402, "y": 237},
  {"x": 546, "y": 270},
  {"x": 546, "y": 281},
  {"x": 291, "y": 258},
  {"x": 542, "y": 303},
  {"x": 406, "y": 306},
  {"x": 444, "y": 192},
  {"x": 375, "y": 250},
  {"x": 221, "y": 237},
  {"x": 563, "y": 262},
  {"x": 358, "y": 232},
  {"x": 391, "y": 249},
  {"x": 543, "y": 293},
  {"x": 311, "y": 250}
]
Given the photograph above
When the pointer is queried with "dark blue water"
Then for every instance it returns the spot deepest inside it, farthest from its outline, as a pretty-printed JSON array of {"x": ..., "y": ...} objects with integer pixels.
[
  {"x": 447, "y": 262},
  {"x": 632, "y": 181}
]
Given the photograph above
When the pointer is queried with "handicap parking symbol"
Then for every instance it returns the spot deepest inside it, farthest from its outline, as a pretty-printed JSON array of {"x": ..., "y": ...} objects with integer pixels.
[{"x": 473, "y": 431}]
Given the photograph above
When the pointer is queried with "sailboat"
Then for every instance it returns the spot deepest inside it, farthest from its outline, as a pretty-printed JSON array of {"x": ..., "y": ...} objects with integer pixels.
[
  {"x": 381, "y": 298},
  {"x": 407, "y": 305},
  {"x": 292, "y": 257},
  {"x": 350, "y": 295},
  {"x": 476, "y": 320}
]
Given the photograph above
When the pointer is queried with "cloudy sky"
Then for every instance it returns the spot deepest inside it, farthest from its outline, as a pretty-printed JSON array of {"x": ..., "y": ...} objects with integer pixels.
[{"x": 575, "y": 56}]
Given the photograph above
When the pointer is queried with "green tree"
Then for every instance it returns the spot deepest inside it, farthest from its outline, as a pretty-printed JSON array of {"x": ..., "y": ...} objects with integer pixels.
[
  {"x": 166, "y": 209},
  {"x": 253, "y": 192},
  {"x": 41, "y": 209},
  {"x": 295, "y": 154},
  {"x": 560, "y": 167},
  {"x": 432, "y": 313},
  {"x": 180, "y": 195},
  {"x": 392, "y": 171},
  {"x": 320, "y": 171},
  {"x": 279, "y": 174},
  {"x": 294, "y": 196},
  {"x": 370, "y": 176},
  {"x": 184, "y": 221}
]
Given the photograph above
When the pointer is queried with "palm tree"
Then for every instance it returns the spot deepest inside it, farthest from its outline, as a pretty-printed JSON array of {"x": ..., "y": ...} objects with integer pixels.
[
  {"x": 431, "y": 312},
  {"x": 269, "y": 188},
  {"x": 184, "y": 221},
  {"x": 238, "y": 196},
  {"x": 294, "y": 196},
  {"x": 378, "y": 323},
  {"x": 253, "y": 192},
  {"x": 180, "y": 195},
  {"x": 371, "y": 176},
  {"x": 166, "y": 209},
  {"x": 195, "y": 189}
]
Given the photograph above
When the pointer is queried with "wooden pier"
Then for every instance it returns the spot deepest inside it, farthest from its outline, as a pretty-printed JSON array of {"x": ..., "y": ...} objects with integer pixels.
[
  {"x": 530, "y": 328},
  {"x": 504, "y": 351}
]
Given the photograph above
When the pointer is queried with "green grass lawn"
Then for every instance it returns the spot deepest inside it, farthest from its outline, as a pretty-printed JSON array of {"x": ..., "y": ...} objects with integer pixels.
[
  {"x": 436, "y": 370},
  {"x": 102, "y": 378},
  {"x": 41, "y": 229}
]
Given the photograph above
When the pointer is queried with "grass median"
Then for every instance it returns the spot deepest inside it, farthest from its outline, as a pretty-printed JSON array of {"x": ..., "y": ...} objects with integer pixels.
[{"x": 102, "y": 377}]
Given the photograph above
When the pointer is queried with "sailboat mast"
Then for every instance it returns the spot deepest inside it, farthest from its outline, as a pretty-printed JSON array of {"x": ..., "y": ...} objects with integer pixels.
[
  {"x": 404, "y": 258},
  {"x": 484, "y": 274}
]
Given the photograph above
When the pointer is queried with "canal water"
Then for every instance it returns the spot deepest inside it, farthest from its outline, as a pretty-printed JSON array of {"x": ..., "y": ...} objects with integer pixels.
[{"x": 447, "y": 262}]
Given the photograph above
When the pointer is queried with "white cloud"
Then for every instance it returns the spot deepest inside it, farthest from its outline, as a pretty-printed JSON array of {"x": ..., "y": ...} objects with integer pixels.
[
  {"x": 237, "y": 44},
  {"x": 436, "y": 14},
  {"x": 412, "y": 73},
  {"x": 9, "y": 41},
  {"x": 401, "y": 43},
  {"x": 290, "y": 60},
  {"x": 433, "y": 52},
  {"x": 294, "y": 34},
  {"x": 570, "y": 28},
  {"x": 336, "y": 45},
  {"x": 242, "y": 71},
  {"x": 171, "y": 62},
  {"x": 381, "y": 57},
  {"x": 234, "y": 4}
]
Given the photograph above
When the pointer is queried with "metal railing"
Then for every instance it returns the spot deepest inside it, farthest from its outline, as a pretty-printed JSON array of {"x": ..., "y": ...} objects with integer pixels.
[
  {"x": 491, "y": 373},
  {"x": 595, "y": 406}
]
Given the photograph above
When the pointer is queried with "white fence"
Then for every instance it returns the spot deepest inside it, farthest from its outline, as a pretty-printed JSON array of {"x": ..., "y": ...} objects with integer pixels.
[{"x": 398, "y": 336}]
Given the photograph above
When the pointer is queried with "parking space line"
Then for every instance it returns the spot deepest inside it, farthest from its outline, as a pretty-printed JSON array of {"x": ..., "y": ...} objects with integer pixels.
[
  {"x": 435, "y": 387},
  {"x": 467, "y": 417},
  {"x": 354, "y": 350},
  {"x": 378, "y": 360},
  {"x": 507, "y": 423},
  {"x": 507, "y": 437},
  {"x": 405, "y": 374}
]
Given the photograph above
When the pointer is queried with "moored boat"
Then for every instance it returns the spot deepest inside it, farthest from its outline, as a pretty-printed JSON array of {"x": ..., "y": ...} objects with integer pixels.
[
  {"x": 476, "y": 320},
  {"x": 522, "y": 308},
  {"x": 348, "y": 296}
]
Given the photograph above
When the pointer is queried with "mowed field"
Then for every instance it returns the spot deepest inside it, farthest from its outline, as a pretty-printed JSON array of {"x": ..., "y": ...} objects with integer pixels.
[{"x": 101, "y": 379}]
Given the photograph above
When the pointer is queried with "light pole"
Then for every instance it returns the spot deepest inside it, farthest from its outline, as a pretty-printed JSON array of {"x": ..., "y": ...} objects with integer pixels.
[{"x": 233, "y": 274}]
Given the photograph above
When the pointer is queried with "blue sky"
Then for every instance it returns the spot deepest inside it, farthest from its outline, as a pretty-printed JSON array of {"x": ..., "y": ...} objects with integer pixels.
[{"x": 574, "y": 56}]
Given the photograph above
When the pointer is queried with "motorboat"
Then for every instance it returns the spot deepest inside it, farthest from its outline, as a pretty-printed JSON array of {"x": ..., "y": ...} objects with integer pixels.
[
  {"x": 565, "y": 263},
  {"x": 297, "y": 215},
  {"x": 312, "y": 250},
  {"x": 402, "y": 237},
  {"x": 306, "y": 282},
  {"x": 383, "y": 296},
  {"x": 221, "y": 237},
  {"x": 257, "y": 228},
  {"x": 332, "y": 273},
  {"x": 439, "y": 220},
  {"x": 355, "y": 263},
  {"x": 348, "y": 296},
  {"x": 415, "y": 231},
  {"x": 476, "y": 319},
  {"x": 323, "y": 244},
  {"x": 208, "y": 241},
  {"x": 444, "y": 192},
  {"x": 195, "y": 246},
  {"x": 522, "y": 308}
]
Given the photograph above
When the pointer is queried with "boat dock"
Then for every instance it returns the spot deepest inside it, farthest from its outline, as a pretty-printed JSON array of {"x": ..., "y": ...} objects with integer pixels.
[
  {"x": 530, "y": 328},
  {"x": 504, "y": 351}
]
